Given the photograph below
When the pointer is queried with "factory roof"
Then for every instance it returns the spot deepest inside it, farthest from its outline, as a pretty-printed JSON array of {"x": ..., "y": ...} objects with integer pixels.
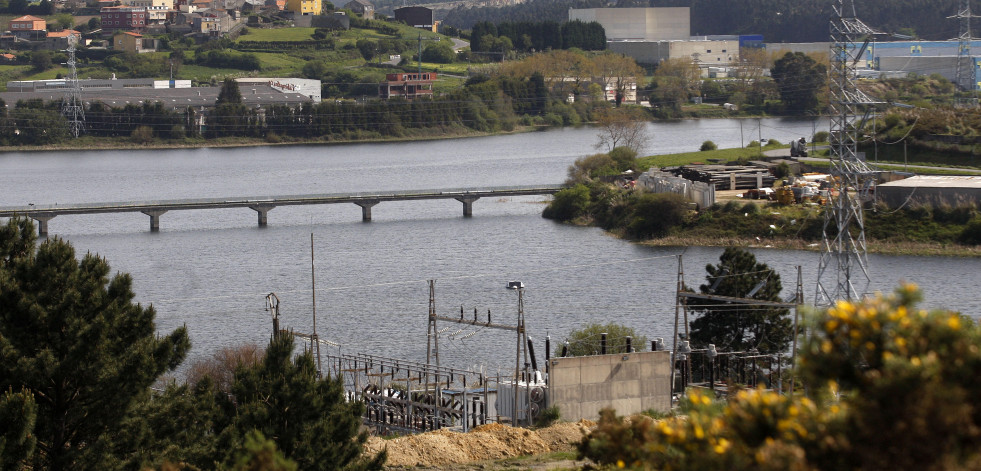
[
  {"x": 254, "y": 94},
  {"x": 936, "y": 181}
]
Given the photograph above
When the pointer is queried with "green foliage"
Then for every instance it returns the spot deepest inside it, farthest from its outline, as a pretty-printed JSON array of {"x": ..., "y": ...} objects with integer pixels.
[
  {"x": 587, "y": 340},
  {"x": 739, "y": 328},
  {"x": 568, "y": 204},
  {"x": 368, "y": 48},
  {"x": 440, "y": 53},
  {"x": 624, "y": 158},
  {"x": 142, "y": 135},
  {"x": 799, "y": 78},
  {"x": 229, "y": 92},
  {"x": 73, "y": 338},
  {"x": 655, "y": 214},
  {"x": 260, "y": 454},
  {"x": 548, "y": 416},
  {"x": 18, "y": 413},
  {"x": 707, "y": 145},
  {"x": 971, "y": 235},
  {"x": 821, "y": 136},
  {"x": 584, "y": 169},
  {"x": 309, "y": 418}
]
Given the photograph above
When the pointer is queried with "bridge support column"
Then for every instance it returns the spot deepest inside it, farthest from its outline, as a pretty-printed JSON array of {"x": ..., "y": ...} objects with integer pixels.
[
  {"x": 155, "y": 218},
  {"x": 262, "y": 210},
  {"x": 467, "y": 204},
  {"x": 42, "y": 224},
  {"x": 366, "y": 209}
]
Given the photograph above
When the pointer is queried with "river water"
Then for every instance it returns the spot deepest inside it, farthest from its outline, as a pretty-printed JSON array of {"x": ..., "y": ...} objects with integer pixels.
[{"x": 210, "y": 270}]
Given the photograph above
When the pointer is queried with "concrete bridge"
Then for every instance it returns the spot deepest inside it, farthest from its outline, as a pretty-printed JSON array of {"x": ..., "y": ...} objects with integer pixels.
[{"x": 262, "y": 205}]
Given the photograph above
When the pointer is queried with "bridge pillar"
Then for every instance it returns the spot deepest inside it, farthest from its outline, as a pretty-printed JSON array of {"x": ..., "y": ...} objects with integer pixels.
[
  {"x": 154, "y": 218},
  {"x": 467, "y": 204},
  {"x": 42, "y": 224},
  {"x": 262, "y": 210},
  {"x": 366, "y": 209}
]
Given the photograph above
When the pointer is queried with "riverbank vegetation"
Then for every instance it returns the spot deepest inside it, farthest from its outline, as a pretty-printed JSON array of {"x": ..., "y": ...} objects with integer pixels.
[{"x": 594, "y": 198}]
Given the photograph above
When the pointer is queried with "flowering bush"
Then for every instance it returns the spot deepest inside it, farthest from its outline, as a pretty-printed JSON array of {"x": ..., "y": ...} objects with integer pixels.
[{"x": 891, "y": 387}]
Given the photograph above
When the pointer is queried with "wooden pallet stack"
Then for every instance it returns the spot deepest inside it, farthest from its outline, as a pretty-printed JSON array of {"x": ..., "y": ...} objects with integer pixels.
[{"x": 725, "y": 177}]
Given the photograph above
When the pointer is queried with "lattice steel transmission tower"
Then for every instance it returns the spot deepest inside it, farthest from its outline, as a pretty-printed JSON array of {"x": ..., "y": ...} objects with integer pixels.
[
  {"x": 71, "y": 105},
  {"x": 843, "y": 270},
  {"x": 964, "y": 76}
]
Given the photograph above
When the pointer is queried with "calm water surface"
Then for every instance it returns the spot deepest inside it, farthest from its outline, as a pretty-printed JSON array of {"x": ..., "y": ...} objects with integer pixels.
[{"x": 210, "y": 270}]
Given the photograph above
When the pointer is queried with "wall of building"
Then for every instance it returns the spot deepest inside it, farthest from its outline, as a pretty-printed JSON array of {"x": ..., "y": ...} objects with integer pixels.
[
  {"x": 651, "y": 24},
  {"x": 708, "y": 52},
  {"x": 931, "y": 190},
  {"x": 628, "y": 382}
]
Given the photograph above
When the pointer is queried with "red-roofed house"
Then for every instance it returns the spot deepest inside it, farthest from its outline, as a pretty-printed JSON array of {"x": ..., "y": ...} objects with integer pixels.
[
  {"x": 27, "y": 26},
  {"x": 60, "y": 39},
  {"x": 129, "y": 41}
]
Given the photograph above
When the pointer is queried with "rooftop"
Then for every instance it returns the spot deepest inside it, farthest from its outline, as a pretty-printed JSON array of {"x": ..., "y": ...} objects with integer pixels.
[{"x": 936, "y": 181}]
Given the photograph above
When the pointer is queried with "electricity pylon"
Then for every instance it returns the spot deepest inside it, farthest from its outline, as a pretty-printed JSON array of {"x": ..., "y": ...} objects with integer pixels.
[{"x": 843, "y": 269}]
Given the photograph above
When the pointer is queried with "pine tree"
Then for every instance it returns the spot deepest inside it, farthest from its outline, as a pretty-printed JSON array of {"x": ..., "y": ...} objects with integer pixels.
[
  {"x": 18, "y": 411},
  {"x": 73, "y": 337},
  {"x": 733, "y": 327},
  {"x": 306, "y": 416}
]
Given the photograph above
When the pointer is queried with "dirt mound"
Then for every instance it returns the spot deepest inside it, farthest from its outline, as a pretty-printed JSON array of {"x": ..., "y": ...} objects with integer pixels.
[{"x": 486, "y": 442}]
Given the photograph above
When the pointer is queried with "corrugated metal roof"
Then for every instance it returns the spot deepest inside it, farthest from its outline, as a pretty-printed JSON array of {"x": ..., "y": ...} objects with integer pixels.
[{"x": 936, "y": 181}]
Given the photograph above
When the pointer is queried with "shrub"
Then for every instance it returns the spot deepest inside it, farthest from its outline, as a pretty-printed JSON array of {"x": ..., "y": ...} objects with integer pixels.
[
  {"x": 707, "y": 145},
  {"x": 971, "y": 235},
  {"x": 568, "y": 204},
  {"x": 624, "y": 158},
  {"x": 586, "y": 340},
  {"x": 821, "y": 136},
  {"x": 655, "y": 214}
]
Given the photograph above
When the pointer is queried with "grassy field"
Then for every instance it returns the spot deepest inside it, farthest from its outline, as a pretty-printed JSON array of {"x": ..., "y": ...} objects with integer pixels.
[
  {"x": 277, "y": 34},
  {"x": 725, "y": 155}
]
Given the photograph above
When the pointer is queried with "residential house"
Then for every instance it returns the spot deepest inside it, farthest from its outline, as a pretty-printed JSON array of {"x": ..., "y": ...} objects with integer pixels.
[
  {"x": 61, "y": 39},
  {"x": 407, "y": 85},
  {"x": 128, "y": 41},
  {"x": 361, "y": 7},
  {"x": 28, "y": 27},
  {"x": 304, "y": 7},
  {"x": 123, "y": 19},
  {"x": 158, "y": 11}
]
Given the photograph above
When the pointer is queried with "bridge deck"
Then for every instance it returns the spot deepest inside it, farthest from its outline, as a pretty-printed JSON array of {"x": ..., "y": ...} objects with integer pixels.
[
  {"x": 250, "y": 201},
  {"x": 262, "y": 204}
]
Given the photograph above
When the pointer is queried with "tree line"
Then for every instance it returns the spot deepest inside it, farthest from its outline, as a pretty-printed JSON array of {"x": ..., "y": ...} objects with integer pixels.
[
  {"x": 485, "y": 104},
  {"x": 528, "y": 36}
]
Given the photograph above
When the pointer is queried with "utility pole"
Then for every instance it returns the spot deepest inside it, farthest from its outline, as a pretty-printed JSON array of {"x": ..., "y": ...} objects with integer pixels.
[
  {"x": 313, "y": 293},
  {"x": 420, "y": 51}
]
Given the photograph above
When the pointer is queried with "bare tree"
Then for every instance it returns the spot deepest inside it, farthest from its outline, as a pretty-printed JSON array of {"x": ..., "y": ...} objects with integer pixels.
[
  {"x": 622, "y": 127},
  {"x": 221, "y": 366}
]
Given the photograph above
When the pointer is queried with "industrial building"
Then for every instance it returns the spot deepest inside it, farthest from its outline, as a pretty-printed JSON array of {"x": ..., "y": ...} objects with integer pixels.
[
  {"x": 653, "y": 35},
  {"x": 178, "y": 94},
  {"x": 930, "y": 190},
  {"x": 902, "y": 58},
  {"x": 638, "y": 24}
]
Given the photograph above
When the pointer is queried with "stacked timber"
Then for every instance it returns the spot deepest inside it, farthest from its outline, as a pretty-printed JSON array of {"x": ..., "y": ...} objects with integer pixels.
[{"x": 727, "y": 177}]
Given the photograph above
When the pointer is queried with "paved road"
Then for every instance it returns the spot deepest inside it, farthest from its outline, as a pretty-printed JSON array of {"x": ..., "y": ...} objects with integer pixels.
[{"x": 786, "y": 153}]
